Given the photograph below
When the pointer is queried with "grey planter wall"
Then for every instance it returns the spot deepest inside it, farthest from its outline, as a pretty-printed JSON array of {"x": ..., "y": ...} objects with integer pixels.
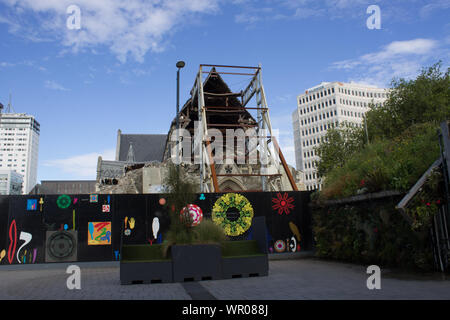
[
  {"x": 196, "y": 262},
  {"x": 145, "y": 272},
  {"x": 241, "y": 267}
]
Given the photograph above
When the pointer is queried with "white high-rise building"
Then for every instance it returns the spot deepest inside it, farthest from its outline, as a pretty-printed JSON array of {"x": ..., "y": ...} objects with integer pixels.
[
  {"x": 19, "y": 146},
  {"x": 323, "y": 107},
  {"x": 10, "y": 182}
]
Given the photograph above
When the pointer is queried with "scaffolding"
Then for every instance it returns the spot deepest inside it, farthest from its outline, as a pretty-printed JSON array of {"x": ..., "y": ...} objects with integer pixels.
[{"x": 268, "y": 148}]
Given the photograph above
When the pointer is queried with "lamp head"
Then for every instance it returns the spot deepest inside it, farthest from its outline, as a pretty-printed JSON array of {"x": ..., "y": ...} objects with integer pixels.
[{"x": 180, "y": 64}]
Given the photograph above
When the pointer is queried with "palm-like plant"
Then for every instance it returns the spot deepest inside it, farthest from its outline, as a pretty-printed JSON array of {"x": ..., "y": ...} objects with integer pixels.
[{"x": 181, "y": 191}]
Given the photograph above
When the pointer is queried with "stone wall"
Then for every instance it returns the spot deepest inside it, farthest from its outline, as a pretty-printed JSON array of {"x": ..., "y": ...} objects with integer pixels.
[{"x": 150, "y": 178}]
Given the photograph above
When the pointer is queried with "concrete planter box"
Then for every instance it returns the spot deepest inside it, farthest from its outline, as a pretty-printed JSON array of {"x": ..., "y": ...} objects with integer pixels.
[
  {"x": 245, "y": 267},
  {"x": 196, "y": 262},
  {"x": 235, "y": 259},
  {"x": 144, "y": 264},
  {"x": 243, "y": 259},
  {"x": 138, "y": 272}
]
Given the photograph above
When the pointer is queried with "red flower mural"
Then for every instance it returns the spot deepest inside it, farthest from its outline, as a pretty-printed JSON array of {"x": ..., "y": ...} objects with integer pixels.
[{"x": 283, "y": 203}]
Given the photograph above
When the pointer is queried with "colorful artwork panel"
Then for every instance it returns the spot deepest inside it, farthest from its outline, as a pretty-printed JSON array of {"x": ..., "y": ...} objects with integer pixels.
[
  {"x": 32, "y": 204},
  {"x": 99, "y": 233},
  {"x": 236, "y": 202},
  {"x": 283, "y": 203},
  {"x": 63, "y": 201}
]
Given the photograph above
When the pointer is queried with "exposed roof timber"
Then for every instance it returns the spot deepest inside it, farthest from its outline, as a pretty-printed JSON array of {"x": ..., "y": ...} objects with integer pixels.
[
  {"x": 221, "y": 95},
  {"x": 226, "y": 66},
  {"x": 233, "y": 73}
]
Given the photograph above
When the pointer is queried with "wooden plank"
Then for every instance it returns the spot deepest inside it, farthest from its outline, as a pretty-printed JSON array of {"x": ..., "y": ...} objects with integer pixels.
[
  {"x": 213, "y": 167},
  {"x": 236, "y": 108},
  {"x": 226, "y": 66},
  {"x": 230, "y": 125},
  {"x": 233, "y": 73},
  {"x": 285, "y": 166},
  {"x": 230, "y": 94}
]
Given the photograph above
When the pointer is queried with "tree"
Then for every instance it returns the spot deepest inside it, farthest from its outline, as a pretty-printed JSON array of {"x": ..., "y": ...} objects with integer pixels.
[
  {"x": 338, "y": 145},
  {"x": 424, "y": 99}
]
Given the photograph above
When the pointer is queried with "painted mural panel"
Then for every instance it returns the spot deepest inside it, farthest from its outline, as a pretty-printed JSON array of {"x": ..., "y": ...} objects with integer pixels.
[
  {"x": 99, "y": 224},
  {"x": 99, "y": 233}
]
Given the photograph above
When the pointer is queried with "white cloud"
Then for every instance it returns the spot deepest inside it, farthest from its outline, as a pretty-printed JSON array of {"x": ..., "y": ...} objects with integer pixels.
[
  {"x": 300, "y": 9},
  {"x": 83, "y": 166},
  {"x": 53, "y": 85},
  {"x": 6, "y": 64},
  {"x": 401, "y": 48},
  {"x": 427, "y": 9},
  {"x": 26, "y": 63},
  {"x": 127, "y": 28},
  {"x": 398, "y": 59}
]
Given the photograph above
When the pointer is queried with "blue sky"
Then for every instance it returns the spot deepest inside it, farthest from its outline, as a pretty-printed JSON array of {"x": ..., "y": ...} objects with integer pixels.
[{"x": 118, "y": 70}]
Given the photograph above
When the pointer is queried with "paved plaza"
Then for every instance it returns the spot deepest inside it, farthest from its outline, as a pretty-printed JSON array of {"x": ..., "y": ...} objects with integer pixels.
[{"x": 292, "y": 279}]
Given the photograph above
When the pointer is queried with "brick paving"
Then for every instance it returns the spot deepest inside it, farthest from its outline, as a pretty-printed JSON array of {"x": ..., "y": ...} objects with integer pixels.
[{"x": 292, "y": 279}]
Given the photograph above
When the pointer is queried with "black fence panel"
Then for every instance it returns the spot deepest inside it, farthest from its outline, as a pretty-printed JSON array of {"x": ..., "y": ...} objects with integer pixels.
[{"x": 62, "y": 228}]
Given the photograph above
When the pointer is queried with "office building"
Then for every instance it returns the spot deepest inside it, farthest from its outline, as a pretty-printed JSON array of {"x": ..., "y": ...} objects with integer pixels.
[
  {"x": 10, "y": 182},
  {"x": 19, "y": 146},
  {"x": 323, "y": 107}
]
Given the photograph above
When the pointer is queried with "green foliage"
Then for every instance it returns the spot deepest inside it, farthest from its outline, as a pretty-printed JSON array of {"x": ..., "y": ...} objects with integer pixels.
[
  {"x": 427, "y": 201},
  {"x": 209, "y": 232},
  {"x": 179, "y": 187},
  {"x": 403, "y": 144},
  {"x": 142, "y": 252},
  {"x": 402, "y": 139},
  {"x": 338, "y": 145},
  {"x": 181, "y": 191},
  {"x": 424, "y": 99},
  {"x": 239, "y": 248},
  {"x": 370, "y": 233},
  {"x": 386, "y": 164}
]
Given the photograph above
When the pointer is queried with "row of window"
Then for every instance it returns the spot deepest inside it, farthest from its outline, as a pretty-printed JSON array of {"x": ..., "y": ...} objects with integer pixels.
[
  {"x": 308, "y": 154},
  {"x": 358, "y": 103},
  {"x": 10, "y": 160},
  {"x": 314, "y": 141},
  {"x": 311, "y": 176},
  {"x": 312, "y": 187},
  {"x": 13, "y": 129},
  {"x": 9, "y": 165},
  {"x": 310, "y": 165},
  {"x": 322, "y": 128},
  {"x": 322, "y": 116},
  {"x": 352, "y": 114},
  {"x": 14, "y": 134},
  {"x": 362, "y": 93},
  {"x": 317, "y": 95},
  {"x": 318, "y": 106}
]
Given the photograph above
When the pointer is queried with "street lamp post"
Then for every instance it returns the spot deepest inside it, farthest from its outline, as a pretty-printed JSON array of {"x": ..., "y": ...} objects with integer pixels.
[{"x": 180, "y": 65}]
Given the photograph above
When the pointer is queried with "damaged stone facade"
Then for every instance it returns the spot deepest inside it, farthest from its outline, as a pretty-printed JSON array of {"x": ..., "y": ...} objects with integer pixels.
[
  {"x": 149, "y": 178},
  {"x": 142, "y": 160}
]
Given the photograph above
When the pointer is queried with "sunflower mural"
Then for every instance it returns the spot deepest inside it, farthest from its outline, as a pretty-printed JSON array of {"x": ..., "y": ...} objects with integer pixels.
[{"x": 242, "y": 205}]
